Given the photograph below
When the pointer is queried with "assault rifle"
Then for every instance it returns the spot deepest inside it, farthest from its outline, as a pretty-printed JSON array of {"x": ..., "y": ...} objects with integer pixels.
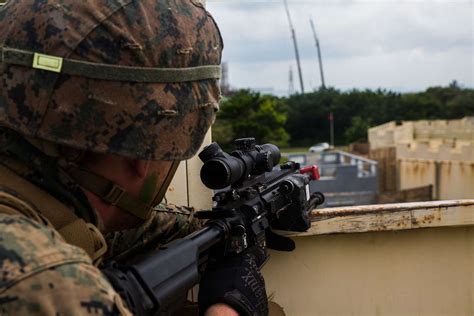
[{"x": 253, "y": 195}]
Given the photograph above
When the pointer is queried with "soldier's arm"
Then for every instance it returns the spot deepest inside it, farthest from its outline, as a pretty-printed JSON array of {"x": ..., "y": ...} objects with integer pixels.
[
  {"x": 166, "y": 223},
  {"x": 43, "y": 275}
]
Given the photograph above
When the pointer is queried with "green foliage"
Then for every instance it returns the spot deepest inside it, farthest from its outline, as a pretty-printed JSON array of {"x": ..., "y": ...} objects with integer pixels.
[
  {"x": 358, "y": 130},
  {"x": 356, "y": 111},
  {"x": 249, "y": 114},
  {"x": 304, "y": 117}
]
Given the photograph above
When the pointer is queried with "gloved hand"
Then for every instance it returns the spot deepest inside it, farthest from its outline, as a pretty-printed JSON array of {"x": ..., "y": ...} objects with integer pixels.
[
  {"x": 282, "y": 243},
  {"x": 237, "y": 282}
]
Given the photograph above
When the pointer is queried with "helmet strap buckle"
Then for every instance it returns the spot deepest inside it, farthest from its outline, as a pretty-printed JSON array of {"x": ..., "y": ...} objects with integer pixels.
[{"x": 114, "y": 195}]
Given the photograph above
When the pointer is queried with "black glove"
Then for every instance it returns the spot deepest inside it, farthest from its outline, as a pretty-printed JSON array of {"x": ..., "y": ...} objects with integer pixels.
[
  {"x": 237, "y": 282},
  {"x": 279, "y": 242}
]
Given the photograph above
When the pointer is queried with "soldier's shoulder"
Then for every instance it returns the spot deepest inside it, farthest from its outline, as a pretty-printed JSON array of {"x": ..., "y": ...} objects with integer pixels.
[
  {"x": 41, "y": 274},
  {"x": 27, "y": 247}
]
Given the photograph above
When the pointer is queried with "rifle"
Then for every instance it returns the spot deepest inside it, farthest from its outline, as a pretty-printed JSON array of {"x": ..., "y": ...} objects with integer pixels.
[{"x": 253, "y": 195}]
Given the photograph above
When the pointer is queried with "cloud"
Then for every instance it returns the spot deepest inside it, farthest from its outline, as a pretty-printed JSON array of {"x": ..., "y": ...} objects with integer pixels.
[{"x": 408, "y": 35}]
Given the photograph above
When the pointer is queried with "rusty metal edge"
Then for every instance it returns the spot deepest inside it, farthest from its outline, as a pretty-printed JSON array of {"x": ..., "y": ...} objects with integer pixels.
[
  {"x": 389, "y": 217},
  {"x": 320, "y": 214}
]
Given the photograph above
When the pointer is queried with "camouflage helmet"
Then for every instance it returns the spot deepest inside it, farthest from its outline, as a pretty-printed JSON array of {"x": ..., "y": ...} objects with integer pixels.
[{"x": 135, "y": 78}]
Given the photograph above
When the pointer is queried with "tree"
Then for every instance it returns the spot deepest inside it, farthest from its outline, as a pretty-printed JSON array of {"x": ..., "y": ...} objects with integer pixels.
[
  {"x": 358, "y": 130},
  {"x": 308, "y": 115},
  {"x": 249, "y": 114},
  {"x": 302, "y": 119}
]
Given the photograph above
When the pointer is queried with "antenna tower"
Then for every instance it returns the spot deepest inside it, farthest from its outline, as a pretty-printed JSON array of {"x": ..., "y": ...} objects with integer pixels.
[
  {"x": 321, "y": 71},
  {"x": 291, "y": 86},
  {"x": 297, "y": 54}
]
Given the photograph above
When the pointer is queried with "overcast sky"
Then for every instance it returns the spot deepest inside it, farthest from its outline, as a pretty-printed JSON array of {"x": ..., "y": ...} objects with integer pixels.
[{"x": 397, "y": 45}]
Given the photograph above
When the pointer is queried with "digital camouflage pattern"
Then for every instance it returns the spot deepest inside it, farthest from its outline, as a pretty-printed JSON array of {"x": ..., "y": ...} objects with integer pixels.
[
  {"x": 31, "y": 164},
  {"x": 43, "y": 275},
  {"x": 40, "y": 272},
  {"x": 136, "y": 120},
  {"x": 166, "y": 223}
]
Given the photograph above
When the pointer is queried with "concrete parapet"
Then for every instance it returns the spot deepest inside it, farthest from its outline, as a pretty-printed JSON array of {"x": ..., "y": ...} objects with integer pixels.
[
  {"x": 450, "y": 179},
  {"x": 377, "y": 260},
  {"x": 437, "y": 150},
  {"x": 404, "y": 132},
  {"x": 382, "y": 136}
]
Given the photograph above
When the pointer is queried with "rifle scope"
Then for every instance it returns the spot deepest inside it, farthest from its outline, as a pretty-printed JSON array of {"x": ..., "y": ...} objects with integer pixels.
[{"x": 221, "y": 170}]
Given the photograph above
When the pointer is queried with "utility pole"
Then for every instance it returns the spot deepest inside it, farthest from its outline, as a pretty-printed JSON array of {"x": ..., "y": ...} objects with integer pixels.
[
  {"x": 293, "y": 34},
  {"x": 331, "y": 128},
  {"x": 323, "y": 85}
]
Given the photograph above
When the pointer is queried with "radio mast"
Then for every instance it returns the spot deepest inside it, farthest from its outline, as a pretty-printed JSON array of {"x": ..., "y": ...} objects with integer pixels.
[
  {"x": 297, "y": 54},
  {"x": 291, "y": 86},
  {"x": 321, "y": 71}
]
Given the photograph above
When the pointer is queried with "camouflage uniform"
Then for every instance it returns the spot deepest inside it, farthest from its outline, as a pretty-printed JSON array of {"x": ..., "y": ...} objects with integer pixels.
[
  {"x": 131, "y": 78},
  {"x": 167, "y": 222}
]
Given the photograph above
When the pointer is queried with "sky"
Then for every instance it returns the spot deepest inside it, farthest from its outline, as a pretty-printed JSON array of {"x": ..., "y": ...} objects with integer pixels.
[{"x": 402, "y": 45}]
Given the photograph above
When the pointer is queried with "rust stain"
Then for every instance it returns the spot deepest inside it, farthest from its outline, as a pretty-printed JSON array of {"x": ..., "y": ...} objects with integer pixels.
[
  {"x": 448, "y": 167},
  {"x": 416, "y": 167},
  {"x": 428, "y": 219},
  {"x": 423, "y": 169},
  {"x": 381, "y": 220},
  {"x": 321, "y": 214}
]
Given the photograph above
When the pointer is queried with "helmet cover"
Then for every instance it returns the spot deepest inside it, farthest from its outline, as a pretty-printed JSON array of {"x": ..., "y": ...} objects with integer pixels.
[{"x": 140, "y": 120}]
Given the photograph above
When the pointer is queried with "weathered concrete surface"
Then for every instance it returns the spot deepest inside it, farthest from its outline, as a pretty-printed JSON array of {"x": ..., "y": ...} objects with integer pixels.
[
  {"x": 389, "y": 217},
  {"x": 392, "y": 268},
  {"x": 408, "y": 132},
  {"x": 186, "y": 187},
  {"x": 450, "y": 179},
  {"x": 411, "y": 272}
]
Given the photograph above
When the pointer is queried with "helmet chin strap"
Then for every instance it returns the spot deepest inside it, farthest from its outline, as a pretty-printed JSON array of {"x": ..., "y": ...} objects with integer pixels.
[
  {"x": 161, "y": 191},
  {"x": 150, "y": 195},
  {"x": 151, "y": 192}
]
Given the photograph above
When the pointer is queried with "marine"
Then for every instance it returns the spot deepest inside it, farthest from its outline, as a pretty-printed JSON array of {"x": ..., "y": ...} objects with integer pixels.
[{"x": 99, "y": 102}]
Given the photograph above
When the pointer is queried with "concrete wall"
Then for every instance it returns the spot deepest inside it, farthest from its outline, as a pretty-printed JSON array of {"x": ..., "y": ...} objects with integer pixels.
[
  {"x": 438, "y": 153},
  {"x": 186, "y": 187},
  {"x": 450, "y": 179},
  {"x": 462, "y": 129},
  {"x": 437, "y": 150},
  {"x": 418, "y": 272},
  {"x": 382, "y": 136},
  {"x": 414, "y": 173},
  {"x": 393, "y": 133},
  {"x": 456, "y": 180}
]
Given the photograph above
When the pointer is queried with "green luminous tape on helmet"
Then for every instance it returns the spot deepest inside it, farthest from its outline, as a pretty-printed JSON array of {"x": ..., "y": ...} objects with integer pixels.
[
  {"x": 106, "y": 71},
  {"x": 47, "y": 62}
]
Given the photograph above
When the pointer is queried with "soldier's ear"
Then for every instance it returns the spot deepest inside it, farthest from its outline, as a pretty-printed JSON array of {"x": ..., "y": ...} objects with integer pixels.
[{"x": 140, "y": 167}]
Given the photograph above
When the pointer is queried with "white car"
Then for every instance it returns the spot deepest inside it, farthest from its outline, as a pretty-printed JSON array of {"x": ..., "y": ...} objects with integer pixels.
[{"x": 318, "y": 148}]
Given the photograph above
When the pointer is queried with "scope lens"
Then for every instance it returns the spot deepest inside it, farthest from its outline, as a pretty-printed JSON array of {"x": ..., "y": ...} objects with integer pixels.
[{"x": 215, "y": 174}]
